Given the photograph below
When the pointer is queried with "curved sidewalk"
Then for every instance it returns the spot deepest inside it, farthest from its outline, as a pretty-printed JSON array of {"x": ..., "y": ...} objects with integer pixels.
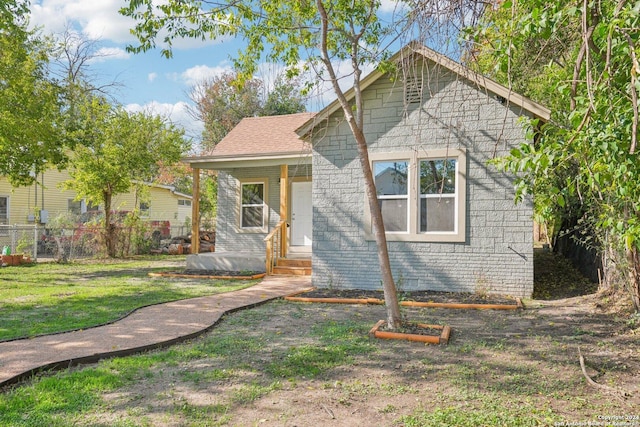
[{"x": 147, "y": 328}]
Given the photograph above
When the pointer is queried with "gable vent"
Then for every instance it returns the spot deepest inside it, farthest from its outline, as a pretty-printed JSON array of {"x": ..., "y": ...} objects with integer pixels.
[{"x": 413, "y": 89}]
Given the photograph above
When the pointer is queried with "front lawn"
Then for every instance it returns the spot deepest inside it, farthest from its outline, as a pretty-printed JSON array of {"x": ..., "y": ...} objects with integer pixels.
[{"x": 46, "y": 298}]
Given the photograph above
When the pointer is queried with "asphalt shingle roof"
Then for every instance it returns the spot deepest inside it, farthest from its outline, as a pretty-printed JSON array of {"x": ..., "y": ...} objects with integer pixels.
[{"x": 264, "y": 135}]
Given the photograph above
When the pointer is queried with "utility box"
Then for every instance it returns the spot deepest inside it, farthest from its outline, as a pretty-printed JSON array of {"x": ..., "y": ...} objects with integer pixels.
[{"x": 44, "y": 216}]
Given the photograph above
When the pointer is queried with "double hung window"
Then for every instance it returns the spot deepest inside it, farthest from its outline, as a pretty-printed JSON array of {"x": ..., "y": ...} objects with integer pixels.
[
  {"x": 253, "y": 208},
  {"x": 438, "y": 195},
  {"x": 422, "y": 196},
  {"x": 392, "y": 187}
]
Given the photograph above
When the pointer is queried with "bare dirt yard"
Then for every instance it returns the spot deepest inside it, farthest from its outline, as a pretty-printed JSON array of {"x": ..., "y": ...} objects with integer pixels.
[{"x": 300, "y": 364}]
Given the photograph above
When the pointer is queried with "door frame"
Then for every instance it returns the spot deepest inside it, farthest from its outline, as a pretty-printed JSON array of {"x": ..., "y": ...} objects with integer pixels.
[{"x": 291, "y": 195}]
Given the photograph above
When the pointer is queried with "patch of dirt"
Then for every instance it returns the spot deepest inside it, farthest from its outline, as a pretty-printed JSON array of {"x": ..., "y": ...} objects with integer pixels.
[
  {"x": 520, "y": 359},
  {"x": 421, "y": 296},
  {"x": 524, "y": 361}
]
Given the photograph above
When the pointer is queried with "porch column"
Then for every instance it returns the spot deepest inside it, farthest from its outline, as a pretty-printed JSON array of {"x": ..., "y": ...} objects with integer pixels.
[
  {"x": 195, "y": 212},
  {"x": 284, "y": 206}
]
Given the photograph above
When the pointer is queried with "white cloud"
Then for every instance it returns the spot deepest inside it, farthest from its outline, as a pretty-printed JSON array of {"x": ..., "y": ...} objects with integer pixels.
[
  {"x": 200, "y": 73},
  {"x": 95, "y": 19},
  {"x": 390, "y": 5},
  {"x": 107, "y": 53},
  {"x": 152, "y": 76},
  {"x": 323, "y": 93}
]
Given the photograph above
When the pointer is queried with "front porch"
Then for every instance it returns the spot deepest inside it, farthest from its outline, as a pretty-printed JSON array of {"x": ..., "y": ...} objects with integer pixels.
[
  {"x": 296, "y": 264},
  {"x": 264, "y": 197},
  {"x": 286, "y": 248}
]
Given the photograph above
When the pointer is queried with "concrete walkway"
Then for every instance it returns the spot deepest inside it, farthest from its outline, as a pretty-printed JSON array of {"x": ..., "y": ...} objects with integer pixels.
[{"x": 147, "y": 328}]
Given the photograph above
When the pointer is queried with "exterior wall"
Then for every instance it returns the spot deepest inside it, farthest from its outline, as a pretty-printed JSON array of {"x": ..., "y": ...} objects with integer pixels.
[
  {"x": 52, "y": 198},
  {"x": 229, "y": 237},
  {"x": 497, "y": 254},
  {"x": 163, "y": 204}
]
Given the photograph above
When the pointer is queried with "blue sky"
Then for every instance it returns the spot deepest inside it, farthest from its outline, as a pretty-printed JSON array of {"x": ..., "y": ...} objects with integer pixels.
[{"x": 150, "y": 81}]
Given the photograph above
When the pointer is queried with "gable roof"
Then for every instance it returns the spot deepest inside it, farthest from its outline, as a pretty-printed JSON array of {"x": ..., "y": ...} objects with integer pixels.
[
  {"x": 260, "y": 138},
  {"x": 414, "y": 48}
]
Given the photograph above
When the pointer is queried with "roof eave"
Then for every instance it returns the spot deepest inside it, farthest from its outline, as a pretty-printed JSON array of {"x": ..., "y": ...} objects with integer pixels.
[{"x": 248, "y": 160}]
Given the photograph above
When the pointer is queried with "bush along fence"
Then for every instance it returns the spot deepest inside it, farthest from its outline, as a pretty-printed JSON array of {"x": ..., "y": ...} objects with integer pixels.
[{"x": 82, "y": 241}]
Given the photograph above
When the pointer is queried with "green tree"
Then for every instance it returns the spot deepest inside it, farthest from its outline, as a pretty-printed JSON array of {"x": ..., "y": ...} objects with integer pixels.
[
  {"x": 582, "y": 59},
  {"x": 30, "y": 119},
  {"x": 114, "y": 149},
  {"x": 285, "y": 98},
  {"x": 323, "y": 30},
  {"x": 222, "y": 101}
]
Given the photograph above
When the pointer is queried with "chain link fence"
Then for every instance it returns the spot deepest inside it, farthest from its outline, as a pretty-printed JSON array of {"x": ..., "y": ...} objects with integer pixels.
[{"x": 84, "y": 241}]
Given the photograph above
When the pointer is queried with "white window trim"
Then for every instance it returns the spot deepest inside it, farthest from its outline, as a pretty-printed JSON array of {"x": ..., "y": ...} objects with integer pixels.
[
  {"x": 144, "y": 213},
  {"x": 414, "y": 158},
  {"x": 406, "y": 197},
  {"x": 265, "y": 206}
]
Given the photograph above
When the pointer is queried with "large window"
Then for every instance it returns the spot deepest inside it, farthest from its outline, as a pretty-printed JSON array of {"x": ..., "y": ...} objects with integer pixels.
[
  {"x": 392, "y": 186},
  {"x": 4, "y": 210},
  {"x": 438, "y": 195},
  {"x": 253, "y": 208},
  {"x": 422, "y": 195}
]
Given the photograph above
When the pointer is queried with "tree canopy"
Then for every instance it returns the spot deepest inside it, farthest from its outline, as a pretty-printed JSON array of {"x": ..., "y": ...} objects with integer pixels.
[
  {"x": 115, "y": 149},
  {"x": 221, "y": 102},
  {"x": 30, "y": 112},
  {"x": 582, "y": 59}
]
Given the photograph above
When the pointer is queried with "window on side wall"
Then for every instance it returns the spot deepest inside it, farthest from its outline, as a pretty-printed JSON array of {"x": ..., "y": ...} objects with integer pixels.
[
  {"x": 392, "y": 187},
  {"x": 144, "y": 209},
  {"x": 253, "y": 207},
  {"x": 4, "y": 210},
  {"x": 422, "y": 195},
  {"x": 438, "y": 195},
  {"x": 74, "y": 206}
]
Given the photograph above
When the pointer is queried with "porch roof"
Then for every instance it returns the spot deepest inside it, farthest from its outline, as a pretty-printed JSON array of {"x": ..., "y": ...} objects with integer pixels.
[{"x": 258, "y": 141}]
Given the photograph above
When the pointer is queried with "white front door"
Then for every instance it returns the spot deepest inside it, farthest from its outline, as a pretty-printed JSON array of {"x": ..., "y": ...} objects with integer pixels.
[{"x": 301, "y": 214}]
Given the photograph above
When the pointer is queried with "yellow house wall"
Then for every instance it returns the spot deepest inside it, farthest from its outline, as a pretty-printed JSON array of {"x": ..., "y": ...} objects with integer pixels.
[
  {"x": 23, "y": 200},
  {"x": 163, "y": 203}
]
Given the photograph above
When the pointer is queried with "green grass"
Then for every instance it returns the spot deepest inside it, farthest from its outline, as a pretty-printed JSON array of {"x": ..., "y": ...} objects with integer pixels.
[
  {"x": 339, "y": 342},
  {"x": 74, "y": 398},
  {"x": 489, "y": 415},
  {"x": 47, "y": 298},
  {"x": 257, "y": 359}
]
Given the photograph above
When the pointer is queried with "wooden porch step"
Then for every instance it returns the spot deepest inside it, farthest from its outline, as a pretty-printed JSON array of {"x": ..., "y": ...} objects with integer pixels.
[
  {"x": 294, "y": 262},
  {"x": 292, "y": 270}
]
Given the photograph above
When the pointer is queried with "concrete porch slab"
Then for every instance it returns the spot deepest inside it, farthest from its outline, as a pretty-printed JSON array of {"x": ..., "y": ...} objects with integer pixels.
[{"x": 227, "y": 261}]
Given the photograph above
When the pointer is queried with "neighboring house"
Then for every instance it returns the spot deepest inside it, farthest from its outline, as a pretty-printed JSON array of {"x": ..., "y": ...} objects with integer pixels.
[
  {"x": 450, "y": 217},
  {"x": 18, "y": 205}
]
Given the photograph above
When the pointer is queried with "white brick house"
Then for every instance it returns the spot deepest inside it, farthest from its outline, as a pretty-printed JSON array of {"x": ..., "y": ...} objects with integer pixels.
[{"x": 450, "y": 217}]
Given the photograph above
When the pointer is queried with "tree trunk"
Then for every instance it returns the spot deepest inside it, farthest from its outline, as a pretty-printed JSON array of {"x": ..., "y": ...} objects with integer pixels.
[
  {"x": 633, "y": 260},
  {"x": 356, "y": 124},
  {"x": 388, "y": 284},
  {"x": 109, "y": 228}
]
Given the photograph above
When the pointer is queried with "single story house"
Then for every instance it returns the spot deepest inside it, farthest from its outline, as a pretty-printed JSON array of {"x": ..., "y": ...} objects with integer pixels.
[
  {"x": 293, "y": 185},
  {"x": 18, "y": 205}
]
